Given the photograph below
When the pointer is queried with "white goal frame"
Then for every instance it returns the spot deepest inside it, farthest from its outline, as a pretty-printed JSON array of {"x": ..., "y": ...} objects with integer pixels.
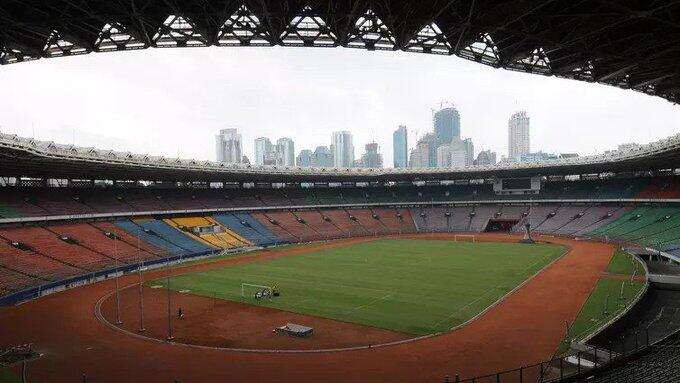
[
  {"x": 263, "y": 287},
  {"x": 471, "y": 236}
]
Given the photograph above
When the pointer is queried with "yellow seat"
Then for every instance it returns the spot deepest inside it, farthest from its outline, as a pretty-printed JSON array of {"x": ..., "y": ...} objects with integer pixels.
[{"x": 224, "y": 240}]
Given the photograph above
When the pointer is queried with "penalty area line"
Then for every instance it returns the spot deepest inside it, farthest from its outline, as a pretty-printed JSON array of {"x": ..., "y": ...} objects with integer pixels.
[{"x": 368, "y": 304}]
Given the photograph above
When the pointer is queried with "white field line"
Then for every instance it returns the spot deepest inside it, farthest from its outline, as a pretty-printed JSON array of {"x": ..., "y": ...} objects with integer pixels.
[
  {"x": 300, "y": 303},
  {"x": 368, "y": 304}
]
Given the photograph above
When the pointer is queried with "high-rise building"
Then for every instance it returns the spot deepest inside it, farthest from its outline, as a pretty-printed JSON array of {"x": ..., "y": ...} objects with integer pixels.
[
  {"x": 486, "y": 157},
  {"x": 469, "y": 149},
  {"x": 446, "y": 123},
  {"x": 304, "y": 159},
  {"x": 343, "y": 149},
  {"x": 429, "y": 141},
  {"x": 444, "y": 156},
  {"x": 518, "y": 135},
  {"x": 285, "y": 152},
  {"x": 372, "y": 159},
  {"x": 228, "y": 146},
  {"x": 400, "y": 147},
  {"x": 322, "y": 158},
  {"x": 457, "y": 153},
  {"x": 420, "y": 155},
  {"x": 458, "y": 156},
  {"x": 263, "y": 151}
]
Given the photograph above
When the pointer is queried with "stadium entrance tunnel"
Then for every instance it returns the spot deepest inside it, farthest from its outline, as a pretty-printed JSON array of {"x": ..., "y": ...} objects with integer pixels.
[{"x": 500, "y": 225}]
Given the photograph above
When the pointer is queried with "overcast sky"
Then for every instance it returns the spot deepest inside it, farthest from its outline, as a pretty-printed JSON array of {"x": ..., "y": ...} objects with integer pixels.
[{"x": 173, "y": 101}]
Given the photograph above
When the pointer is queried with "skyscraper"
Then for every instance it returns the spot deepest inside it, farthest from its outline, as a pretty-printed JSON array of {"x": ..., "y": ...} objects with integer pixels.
[
  {"x": 518, "y": 135},
  {"x": 446, "y": 123},
  {"x": 322, "y": 158},
  {"x": 469, "y": 148},
  {"x": 400, "y": 147},
  {"x": 228, "y": 146},
  {"x": 420, "y": 155},
  {"x": 429, "y": 142},
  {"x": 486, "y": 157},
  {"x": 457, "y": 153},
  {"x": 263, "y": 151},
  {"x": 304, "y": 159},
  {"x": 343, "y": 149},
  {"x": 372, "y": 159},
  {"x": 285, "y": 152},
  {"x": 444, "y": 156}
]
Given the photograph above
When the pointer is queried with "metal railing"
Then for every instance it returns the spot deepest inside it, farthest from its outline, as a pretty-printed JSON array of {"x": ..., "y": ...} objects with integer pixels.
[{"x": 569, "y": 366}]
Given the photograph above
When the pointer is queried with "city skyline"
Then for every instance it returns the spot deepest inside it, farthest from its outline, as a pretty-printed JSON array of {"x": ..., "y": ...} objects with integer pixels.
[
  {"x": 442, "y": 147},
  {"x": 161, "y": 119}
]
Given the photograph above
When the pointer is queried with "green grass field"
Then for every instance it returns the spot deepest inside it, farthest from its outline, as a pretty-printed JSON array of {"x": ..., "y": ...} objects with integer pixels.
[{"x": 412, "y": 286}]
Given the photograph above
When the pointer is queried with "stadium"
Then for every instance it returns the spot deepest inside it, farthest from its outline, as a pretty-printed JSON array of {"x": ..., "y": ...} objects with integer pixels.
[{"x": 122, "y": 266}]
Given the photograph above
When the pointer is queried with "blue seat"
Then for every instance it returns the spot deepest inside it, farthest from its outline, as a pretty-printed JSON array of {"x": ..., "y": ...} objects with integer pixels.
[{"x": 167, "y": 237}]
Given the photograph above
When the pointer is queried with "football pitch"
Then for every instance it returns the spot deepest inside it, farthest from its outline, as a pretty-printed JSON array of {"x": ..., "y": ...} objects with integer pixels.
[{"x": 411, "y": 286}]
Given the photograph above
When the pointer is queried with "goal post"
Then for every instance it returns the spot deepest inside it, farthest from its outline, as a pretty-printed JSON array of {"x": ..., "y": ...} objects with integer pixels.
[
  {"x": 464, "y": 238},
  {"x": 250, "y": 287}
]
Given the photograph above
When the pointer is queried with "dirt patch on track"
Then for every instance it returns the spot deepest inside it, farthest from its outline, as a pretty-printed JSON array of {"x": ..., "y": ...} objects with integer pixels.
[{"x": 523, "y": 329}]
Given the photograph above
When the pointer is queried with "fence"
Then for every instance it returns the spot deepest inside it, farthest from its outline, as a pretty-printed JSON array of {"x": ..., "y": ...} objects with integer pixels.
[{"x": 570, "y": 366}]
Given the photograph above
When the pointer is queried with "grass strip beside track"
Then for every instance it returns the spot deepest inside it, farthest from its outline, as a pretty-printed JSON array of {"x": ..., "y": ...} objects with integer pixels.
[
  {"x": 609, "y": 290},
  {"x": 624, "y": 263},
  {"x": 593, "y": 314}
]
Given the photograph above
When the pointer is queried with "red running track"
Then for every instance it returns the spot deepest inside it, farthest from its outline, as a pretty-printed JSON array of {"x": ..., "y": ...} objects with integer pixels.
[{"x": 523, "y": 329}]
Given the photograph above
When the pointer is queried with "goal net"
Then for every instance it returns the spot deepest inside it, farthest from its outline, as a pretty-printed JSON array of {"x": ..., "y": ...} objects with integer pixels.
[
  {"x": 249, "y": 290},
  {"x": 464, "y": 238}
]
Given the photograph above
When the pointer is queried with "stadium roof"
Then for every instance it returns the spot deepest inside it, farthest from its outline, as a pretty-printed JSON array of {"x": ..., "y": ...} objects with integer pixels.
[
  {"x": 629, "y": 44},
  {"x": 42, "y": 159}
]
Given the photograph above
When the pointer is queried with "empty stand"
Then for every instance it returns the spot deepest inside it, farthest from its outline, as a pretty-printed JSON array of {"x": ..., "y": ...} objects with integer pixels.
[
  {"x": 248, "y": 228},
  {"x": 661, "y": 188},
  {"x": 325, "y": 228},
  {"x": 50, "y": 245},
  {"x": 276, "y": 227},
  {"x": 174, "y": 236},
  {"x": 481, "y": 217},
  {"x": 152, "y": 237},
  {"x": 219, "y": 236},
  {"x": 31, "y": 263},
  {"x": 134, "y": 238},
  {"x": 94, "y": 239},
  {"x": 290, "y": 224},
  {"x": 365, "y": 218},
  {"x": 341, "y": 218},
  {"x": 563, "y": 215}
]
